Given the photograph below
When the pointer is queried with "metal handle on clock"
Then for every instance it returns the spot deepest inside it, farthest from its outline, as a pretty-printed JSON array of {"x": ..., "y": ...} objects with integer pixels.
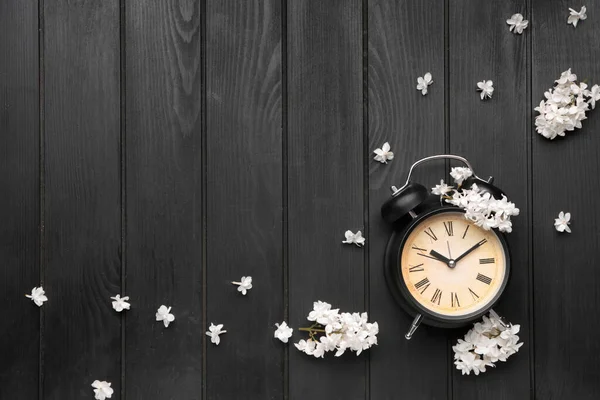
[{"x": 396, "y": 190}]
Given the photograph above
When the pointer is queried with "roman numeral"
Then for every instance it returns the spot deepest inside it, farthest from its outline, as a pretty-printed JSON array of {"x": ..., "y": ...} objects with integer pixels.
[
  {"x": 415, "y": 268},
  {"x": 449, "y": 228},
  {"x": 487, "y": 260},
  {"x": 430, "y": 233},
  {"x": 418, "y": 248},
  {"x": 454, "y": 299},
  {"x": 437, "y": 296},
  {"x": 424, "y": 284},
  {"x": 485, "y": 279},
  {"x": 421, "y": 283},
  {"x": 465, "y": 234},
  {"x": 473, "y": 295}
]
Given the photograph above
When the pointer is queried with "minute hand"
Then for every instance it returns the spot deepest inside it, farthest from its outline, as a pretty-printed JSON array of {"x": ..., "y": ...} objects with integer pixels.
[{"x": 463, "y": 255}]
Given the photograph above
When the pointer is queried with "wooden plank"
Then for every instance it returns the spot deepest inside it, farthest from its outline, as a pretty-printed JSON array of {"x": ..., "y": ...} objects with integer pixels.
[
  {"x": 566, "y": 278},
  {"x": 244, "y": 197},
  {"x": 325, "y": 183},
  {"x": 494, "y": 135},
  {"x": 82, "y": 333},
  {"x": 164, "y": 198},
  {"x": 19, "y": 208},
  {"x": 406, "y": 40}
]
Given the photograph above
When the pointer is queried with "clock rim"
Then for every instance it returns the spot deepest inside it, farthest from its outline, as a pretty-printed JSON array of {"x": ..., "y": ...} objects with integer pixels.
[{"x": 400, "y": 292}]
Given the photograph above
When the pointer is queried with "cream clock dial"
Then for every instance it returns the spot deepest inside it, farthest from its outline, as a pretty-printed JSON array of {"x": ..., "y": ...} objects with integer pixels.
[{"x": 452, "y": 267}]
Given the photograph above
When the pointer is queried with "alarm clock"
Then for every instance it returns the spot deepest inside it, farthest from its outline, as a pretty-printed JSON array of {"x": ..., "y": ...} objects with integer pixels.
[{"x": 442, "y": 268}]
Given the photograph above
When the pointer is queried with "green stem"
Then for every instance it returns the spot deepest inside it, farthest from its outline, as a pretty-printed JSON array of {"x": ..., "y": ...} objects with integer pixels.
[{"x": 311, "y": 330}]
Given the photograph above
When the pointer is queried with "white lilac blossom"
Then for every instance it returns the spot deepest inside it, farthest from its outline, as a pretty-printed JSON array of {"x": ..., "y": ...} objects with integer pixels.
[
  {"x": 356, "y": 238},
  {"x": 484, "y": 210},
  {"x": 38, "y": 296},
  {"x": 486, "y": 88},
  {"x": 283, "y": 332},
  {"x": 244, "y": 284},
  {"x": 335, "y": 331},
  {"x": 102, "y": 390},
  {"x": 120, "y": 303},
  {"x": 561, "y": 223},
  {"x": 565, "y": 106},
  {"x": 214, "y": 331},
  {"x": 488, "y": 342},
  {"x": 442, "y": 189},
  {"x": 459, "y": 174},
  {"x": 576, "y": 16},
  {"x": 517, "y": 23},
  {"x": 383, "y": 154},
  {"x": 164, "y": 314},
  {"x": 423, "y": 82}
]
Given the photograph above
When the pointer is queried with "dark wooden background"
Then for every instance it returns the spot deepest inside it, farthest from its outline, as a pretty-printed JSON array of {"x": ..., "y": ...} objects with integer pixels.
[{"x": 161, "y": 149}]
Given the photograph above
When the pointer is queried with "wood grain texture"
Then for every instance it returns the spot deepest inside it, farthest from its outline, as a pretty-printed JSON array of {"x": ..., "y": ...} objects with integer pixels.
[
  {"x": 565, "y": 177},
  {"x": 406, "y": 40},
  {"x": 82, "y": 333},
  {"x": 19, "y": 207},
  {"x": 164, "y": 198},
  {"x": 325, "y": 183},
  {"x": 494, "y": 136},
  {"x": 244, "y": 197}
]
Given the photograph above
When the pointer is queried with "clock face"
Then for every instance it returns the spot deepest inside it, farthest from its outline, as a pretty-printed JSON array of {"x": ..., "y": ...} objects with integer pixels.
[{"x": 451, "y": 266}]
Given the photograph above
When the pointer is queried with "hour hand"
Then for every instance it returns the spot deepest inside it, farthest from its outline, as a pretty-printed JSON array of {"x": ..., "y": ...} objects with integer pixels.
[{"x": 439, "y": 256}]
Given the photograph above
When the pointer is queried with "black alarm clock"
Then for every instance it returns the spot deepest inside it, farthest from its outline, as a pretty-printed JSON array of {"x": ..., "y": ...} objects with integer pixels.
[{"x": 442, "y": 268}]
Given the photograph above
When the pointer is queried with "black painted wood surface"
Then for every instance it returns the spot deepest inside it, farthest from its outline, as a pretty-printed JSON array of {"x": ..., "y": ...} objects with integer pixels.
[{"x": 162, "y": 149}]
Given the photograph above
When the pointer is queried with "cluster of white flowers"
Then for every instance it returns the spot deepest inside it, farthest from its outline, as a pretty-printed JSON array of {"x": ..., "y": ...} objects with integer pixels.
[
  {"x": 340, "y": 331},
  {"x": 483, "y": 209},
  {"x": 565, "y": 106},
  {"x": 485, "y": 344}
]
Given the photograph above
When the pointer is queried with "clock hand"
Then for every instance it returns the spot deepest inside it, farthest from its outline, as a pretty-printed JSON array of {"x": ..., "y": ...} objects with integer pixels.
[
  {"x": 439, "y": 256},
  {"x": 428, "y": 256},
  {"x": 463, "y": 255}
]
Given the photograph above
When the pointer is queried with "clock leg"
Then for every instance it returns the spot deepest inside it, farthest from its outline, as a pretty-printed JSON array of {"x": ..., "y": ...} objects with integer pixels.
[{"x": 413, "y": 327}]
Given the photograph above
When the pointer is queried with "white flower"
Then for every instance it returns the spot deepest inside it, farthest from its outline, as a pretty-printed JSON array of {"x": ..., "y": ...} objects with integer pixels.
[
  {"x": 214, "y": 331},
  {"x": 38, "y": 296},
  {"x": 486, "y": 88},
  {"x": 244, "y": 285},
  {"x": 356, "y": 238},
  {"x": 102, "y": 390},
  {"x": 423, "y": 82},
  {"x": 164, "y": 314},
  {"x": 576, "y": 16},
  {"x": 594, "y": 95},
  {"x": 562, "y": 222},
  {"x": 339, "y": 332},
  {"x": 566, "y": 77},
  {"x": 460, "y": 174},
  {"x": 384, "y": 154},
  {"x": 441, "y": 189},
  {"x": 283, "y": 332},
  {"x": 120, "y": 303},
  {"x": 517, "y": 23}
]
